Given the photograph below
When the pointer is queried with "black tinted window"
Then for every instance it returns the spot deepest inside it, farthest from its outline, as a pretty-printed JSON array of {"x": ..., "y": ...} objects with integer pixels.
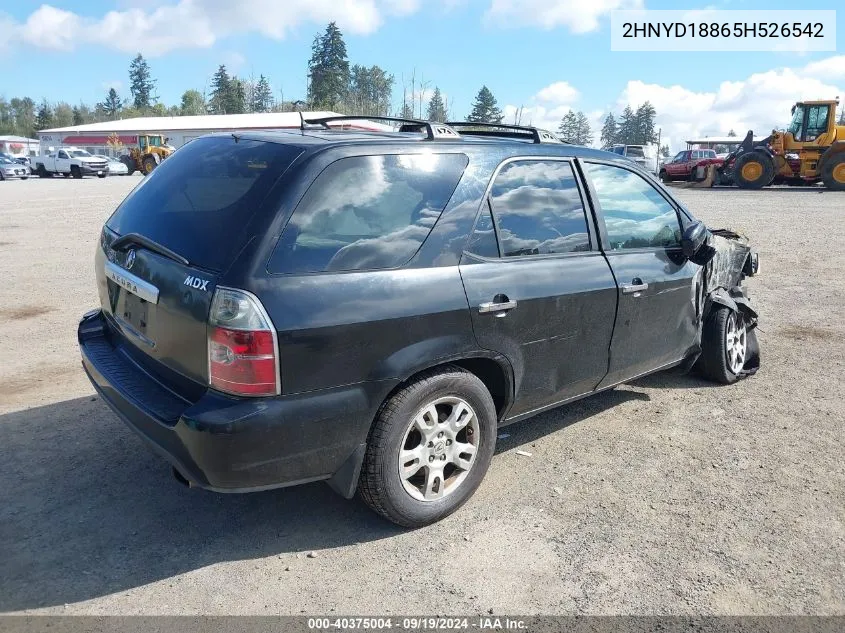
[
  {"x": 367, "y": 212},
  {"x": 538, "y": 209},
  {"x": 199, "y": 201},
  {"x": 635, "y": 214}
]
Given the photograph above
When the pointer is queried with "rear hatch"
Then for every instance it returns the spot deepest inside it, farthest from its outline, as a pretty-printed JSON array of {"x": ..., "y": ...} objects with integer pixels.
[{"x": 166, "y": 247}]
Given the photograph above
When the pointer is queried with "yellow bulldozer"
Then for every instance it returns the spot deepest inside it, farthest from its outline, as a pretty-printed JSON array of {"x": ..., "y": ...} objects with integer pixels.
[
  {"x": 810, "y": 150},
  {"x": 148, "y": 154}
]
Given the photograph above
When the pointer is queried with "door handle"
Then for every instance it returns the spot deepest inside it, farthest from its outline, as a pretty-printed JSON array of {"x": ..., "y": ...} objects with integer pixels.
[
  {"x": 493, "y": 307},
  {"x": 636, "y": 286}
]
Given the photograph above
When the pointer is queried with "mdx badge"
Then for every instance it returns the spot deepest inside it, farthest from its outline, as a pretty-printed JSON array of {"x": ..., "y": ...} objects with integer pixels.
[{"x": 196, "y": 282}]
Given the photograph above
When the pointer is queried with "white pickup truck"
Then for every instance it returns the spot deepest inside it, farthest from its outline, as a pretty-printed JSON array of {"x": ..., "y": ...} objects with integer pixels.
[{"x": 69, "y": 161}]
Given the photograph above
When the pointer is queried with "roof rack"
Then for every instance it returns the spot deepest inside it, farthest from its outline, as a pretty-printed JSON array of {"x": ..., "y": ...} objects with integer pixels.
[
  {"x": 503, "y": 130},
  {"x": 431, "y": 129}
]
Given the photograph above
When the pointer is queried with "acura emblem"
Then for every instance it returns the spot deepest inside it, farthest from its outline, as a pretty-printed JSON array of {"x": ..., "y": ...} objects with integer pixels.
[{"x": 130, "y": 258}]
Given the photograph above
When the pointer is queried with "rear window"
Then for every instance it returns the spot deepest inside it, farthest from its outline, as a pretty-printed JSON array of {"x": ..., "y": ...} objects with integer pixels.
[
  {"x": 367, "y": 212},
  {"x": 199, "y": 201},
  {"x": 635, "y": 152}
]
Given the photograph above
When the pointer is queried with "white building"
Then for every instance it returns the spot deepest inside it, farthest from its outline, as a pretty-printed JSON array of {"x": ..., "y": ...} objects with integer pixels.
[
  {"x": 94, "y": 137},
  {"x": 19, "y": 145}
]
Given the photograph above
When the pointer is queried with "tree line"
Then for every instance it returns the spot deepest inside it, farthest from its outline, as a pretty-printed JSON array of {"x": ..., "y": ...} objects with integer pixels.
[
  {"x": 633, "y": 127},
  {"x": 333, "y": 83}
]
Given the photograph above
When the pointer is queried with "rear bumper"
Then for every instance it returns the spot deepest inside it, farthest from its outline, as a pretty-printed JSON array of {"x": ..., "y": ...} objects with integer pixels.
[{"x": 235, "y": 444}]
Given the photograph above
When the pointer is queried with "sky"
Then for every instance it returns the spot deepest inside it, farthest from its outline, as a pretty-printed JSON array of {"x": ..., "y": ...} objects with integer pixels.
[{"x": 544, "y": 56}]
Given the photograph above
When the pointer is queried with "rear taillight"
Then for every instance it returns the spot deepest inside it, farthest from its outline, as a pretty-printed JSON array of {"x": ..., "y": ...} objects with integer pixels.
[{"x": 242, "y": 351}]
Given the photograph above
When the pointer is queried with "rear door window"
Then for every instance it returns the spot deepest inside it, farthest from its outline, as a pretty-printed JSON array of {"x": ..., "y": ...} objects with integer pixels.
[
  {"x": 199, "y": 201},
  {"x": 635, "y": 214},
  {"x": 538, "y": 209},
  {"x": 367, "y": 212}
]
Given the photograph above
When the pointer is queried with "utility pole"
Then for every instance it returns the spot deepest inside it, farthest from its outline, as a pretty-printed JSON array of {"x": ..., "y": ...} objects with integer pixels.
[{"x": 657, "y": 157}]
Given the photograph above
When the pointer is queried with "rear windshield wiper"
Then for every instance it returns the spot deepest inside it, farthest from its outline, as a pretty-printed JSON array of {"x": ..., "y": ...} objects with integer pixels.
[{"x": 140, "y": 240}]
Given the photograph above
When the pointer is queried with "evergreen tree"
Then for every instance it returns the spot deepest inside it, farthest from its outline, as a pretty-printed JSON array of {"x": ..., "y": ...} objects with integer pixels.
[
  {"x": 436, "y": 107},
  {"x": 485, "y": 108},
  {"x": 609, "y": 131},
  {"x": 236, "y": 103},
  {"x": 627, "y": 127},
  {"x": 567, "y": 131},
  {"x": 262, "y": 96},
  {"x": 193, "y": 103},
  {"x": 78, "y": 118},
  {"x": 665, "y": 152},
  {"x": 731, "y": 133},
  {"x": 221, "y": 87},
  {"x": 584, "y": 134},
  {"x": 112, "y": 106},
  {"x": 328, "y": 69},
  {"x": 141, "y": 83},
  {"x": 644, "y": 127},
  {"x": 44, "y": 118}
]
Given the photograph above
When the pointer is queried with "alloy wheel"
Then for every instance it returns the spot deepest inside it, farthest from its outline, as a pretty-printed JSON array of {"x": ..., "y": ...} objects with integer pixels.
[
  {"x": 735, "y": 342},
  {"x": 439, "y": 449}
]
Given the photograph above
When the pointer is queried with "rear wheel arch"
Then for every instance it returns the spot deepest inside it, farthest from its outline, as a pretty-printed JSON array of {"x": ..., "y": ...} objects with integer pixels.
[{"x": 493, "y": 370}]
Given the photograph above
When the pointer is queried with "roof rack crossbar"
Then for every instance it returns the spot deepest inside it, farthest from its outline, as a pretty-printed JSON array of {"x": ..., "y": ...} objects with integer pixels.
[
  {"x": 538, "y": 135},
  {"x": 431, "y": 129}
]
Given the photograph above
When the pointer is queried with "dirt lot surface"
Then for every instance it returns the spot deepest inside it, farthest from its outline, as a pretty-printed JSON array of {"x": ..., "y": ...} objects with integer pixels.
[{"x": 667, "y": 496}]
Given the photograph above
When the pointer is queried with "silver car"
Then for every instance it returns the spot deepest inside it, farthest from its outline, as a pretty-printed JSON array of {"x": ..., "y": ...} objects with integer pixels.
[
  {"x": 12, "y": 169},
  {"x": 116, "y": 168}
]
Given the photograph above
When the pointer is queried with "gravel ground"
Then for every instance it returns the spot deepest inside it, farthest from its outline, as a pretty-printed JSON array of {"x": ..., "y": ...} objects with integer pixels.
[{"x": 667, "y": 496}]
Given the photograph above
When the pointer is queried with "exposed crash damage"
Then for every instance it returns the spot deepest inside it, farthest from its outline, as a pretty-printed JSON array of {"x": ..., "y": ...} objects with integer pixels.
[{"x": 727, "y": 322}]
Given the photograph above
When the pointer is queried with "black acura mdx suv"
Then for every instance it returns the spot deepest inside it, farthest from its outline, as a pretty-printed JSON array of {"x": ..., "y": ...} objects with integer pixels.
[{"x": 370, "y": 307}]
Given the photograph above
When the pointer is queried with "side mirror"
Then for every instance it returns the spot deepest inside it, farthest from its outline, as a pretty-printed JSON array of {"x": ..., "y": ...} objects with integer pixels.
[{"x": 694, "y": 244}]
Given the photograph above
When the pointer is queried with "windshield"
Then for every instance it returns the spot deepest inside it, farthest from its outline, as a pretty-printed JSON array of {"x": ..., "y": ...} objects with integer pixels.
[
  {"x": 797, "y": 120},
  {"x": 5, "y": 160},
  {"x": 79, "y": 153},
  {"x": 200, "y": 201}
]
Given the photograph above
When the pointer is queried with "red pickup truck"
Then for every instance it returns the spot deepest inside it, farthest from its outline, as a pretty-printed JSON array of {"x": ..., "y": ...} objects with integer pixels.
[{"x": 683, "y": 166}]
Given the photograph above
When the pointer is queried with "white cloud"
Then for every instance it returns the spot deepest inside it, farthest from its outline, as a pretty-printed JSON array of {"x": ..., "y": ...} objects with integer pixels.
[
  {"x": 558, "y": 92},
  {"x": 579, "y": 16},
  {"x": 546, "y": 108},
  {"x": 832, "y": 67},
  {"x": 761, "y": 102},
  {"x": 167, "y": 26}
]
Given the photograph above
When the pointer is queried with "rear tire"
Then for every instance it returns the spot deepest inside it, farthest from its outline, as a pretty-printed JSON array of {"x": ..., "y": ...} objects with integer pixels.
[
  {"x": 725, "y": 348},
  {"x": 833, "y": 173},
  {"x": 753, "y": 170},
  {"x": 444, "y": 418}
]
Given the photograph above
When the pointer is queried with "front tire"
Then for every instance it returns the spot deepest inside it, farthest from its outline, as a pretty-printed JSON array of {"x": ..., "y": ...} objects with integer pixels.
[
  {"x": 726, "y": 345},
  {"x": 664, "y": 176},
  {"x": 753, "y": 170},
  {"x": 76, "y": 172},
  {"x": 149, "y": 165},
  {"x": 429, "y": 448}
]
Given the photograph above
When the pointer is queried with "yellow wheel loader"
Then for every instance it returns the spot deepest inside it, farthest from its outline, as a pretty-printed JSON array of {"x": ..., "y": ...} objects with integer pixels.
[
  {"x": 812, "y": 149},
  {"x": 151, "y": 150}
]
